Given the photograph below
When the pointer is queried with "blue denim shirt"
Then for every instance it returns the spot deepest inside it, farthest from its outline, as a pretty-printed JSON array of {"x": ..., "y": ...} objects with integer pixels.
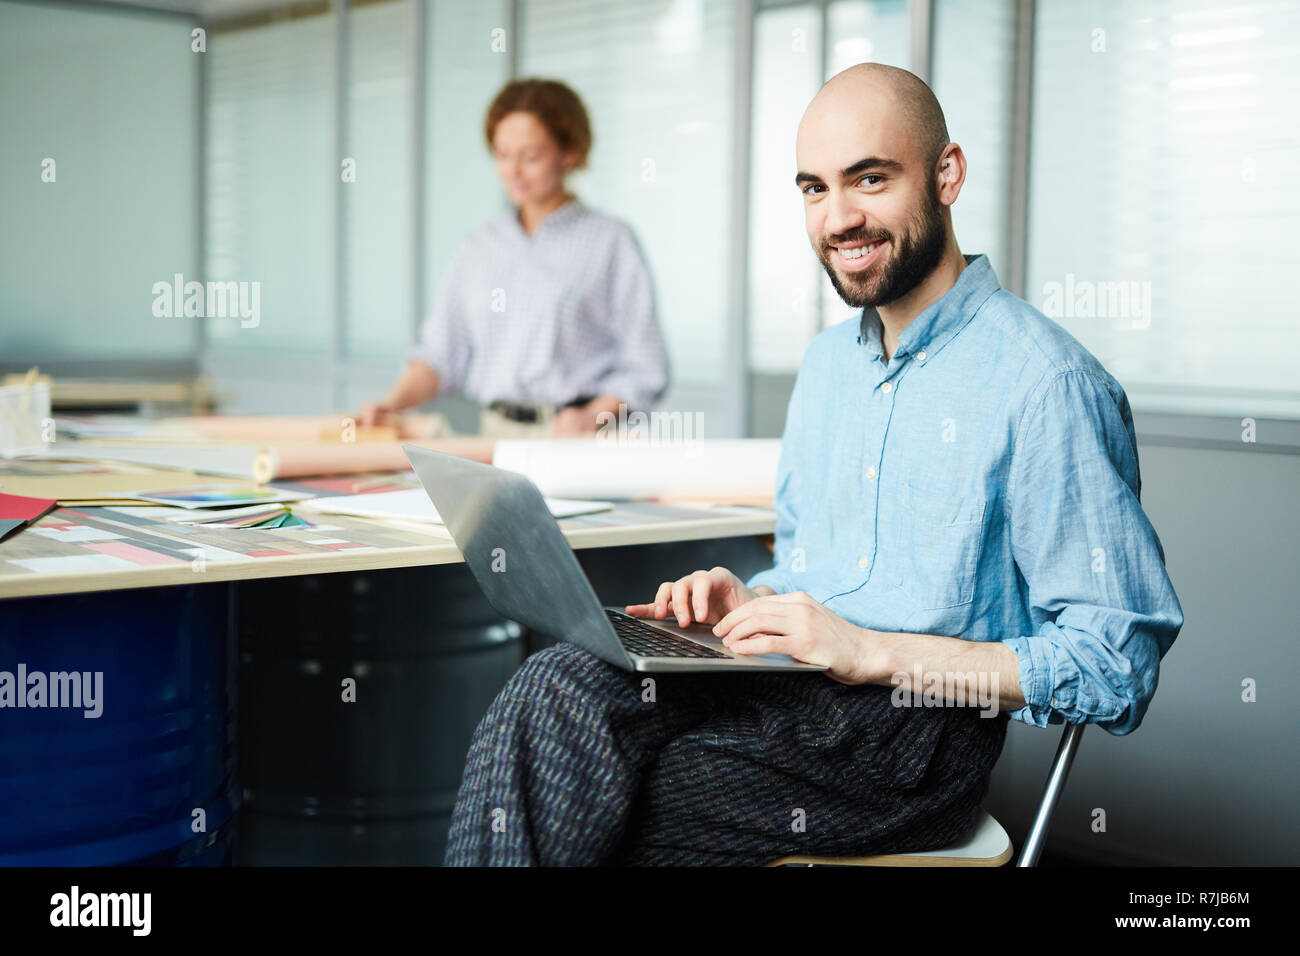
[{"x": 982, "y": 484}]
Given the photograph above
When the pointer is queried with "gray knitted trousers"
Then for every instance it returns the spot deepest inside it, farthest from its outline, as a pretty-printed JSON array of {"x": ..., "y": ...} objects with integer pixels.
[{"x": 579, "y": 763}]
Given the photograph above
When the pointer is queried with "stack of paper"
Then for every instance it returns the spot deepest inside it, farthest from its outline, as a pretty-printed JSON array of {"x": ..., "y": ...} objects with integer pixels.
[{"x": 226, "y": 505}]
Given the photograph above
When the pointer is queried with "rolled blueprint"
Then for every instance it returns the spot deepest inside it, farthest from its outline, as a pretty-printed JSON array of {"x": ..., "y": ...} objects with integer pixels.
[{"x": 288, "y": 460}]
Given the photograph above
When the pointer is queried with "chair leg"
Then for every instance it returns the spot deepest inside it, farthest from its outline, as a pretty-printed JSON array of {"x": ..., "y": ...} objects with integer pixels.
[{"x": 1065, "y": 752}]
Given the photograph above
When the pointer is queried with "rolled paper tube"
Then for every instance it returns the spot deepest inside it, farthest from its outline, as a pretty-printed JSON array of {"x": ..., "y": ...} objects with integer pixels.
[
  {"x": 741, "y": 470},
  {"x": 285, "y": 428},
  {"x": 382, "y": 433},
  {"x": 343, "y": 458},
  {"x": 761, "y": 501}
]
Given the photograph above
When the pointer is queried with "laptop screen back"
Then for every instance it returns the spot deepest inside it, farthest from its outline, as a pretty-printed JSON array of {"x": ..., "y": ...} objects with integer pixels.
[{"x": 515, "y": 550}]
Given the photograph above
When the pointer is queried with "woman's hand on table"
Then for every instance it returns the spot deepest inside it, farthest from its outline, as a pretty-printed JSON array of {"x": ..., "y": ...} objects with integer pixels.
[
  {"x": 578, "y": 421},
  {"x": 376, "y": 415}
]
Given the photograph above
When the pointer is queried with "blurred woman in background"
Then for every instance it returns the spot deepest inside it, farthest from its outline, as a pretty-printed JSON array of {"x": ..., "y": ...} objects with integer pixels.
[{"x": 547, "y": 314}]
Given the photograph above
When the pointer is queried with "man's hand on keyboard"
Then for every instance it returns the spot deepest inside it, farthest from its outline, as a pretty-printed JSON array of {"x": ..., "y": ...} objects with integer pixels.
[
  {"x": 705, "y": 597},
  {"x": 798, "y": 625}
]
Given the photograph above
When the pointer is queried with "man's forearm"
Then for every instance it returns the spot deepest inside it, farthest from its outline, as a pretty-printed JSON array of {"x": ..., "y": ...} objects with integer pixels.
[{"x": 903, "y": 654}]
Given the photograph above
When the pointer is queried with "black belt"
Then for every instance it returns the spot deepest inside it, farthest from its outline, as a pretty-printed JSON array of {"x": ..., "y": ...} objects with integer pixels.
[{"x": 531, "y": 413}]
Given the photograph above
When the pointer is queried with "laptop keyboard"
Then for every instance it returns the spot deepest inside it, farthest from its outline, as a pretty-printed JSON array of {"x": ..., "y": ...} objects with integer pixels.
[{"x": 643, "y": 640}]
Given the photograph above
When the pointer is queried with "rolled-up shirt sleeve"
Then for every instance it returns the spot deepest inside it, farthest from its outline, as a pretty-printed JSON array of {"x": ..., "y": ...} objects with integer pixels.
[
  {"x": 640, "y": 373},
  {"x": 1104, "y": 608},
  {"x": 443, "y": 343}
]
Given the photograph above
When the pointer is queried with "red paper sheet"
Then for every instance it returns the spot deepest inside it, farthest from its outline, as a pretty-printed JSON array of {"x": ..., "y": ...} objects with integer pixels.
[{"x": 22, "y": 508}]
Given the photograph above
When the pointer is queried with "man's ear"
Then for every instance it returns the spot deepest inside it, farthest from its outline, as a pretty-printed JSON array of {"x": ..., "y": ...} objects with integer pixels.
[{"x": 952, "y": 171}]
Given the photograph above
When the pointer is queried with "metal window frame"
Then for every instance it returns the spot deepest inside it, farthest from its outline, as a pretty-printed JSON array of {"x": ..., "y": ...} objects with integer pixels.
[
  {"x": 920, "y": 14},
  {"x": 1022, "y": 89},
  {"x": 736, "y": 378},
  {"x": 420, "y": 103},
  {"x": 201, "y": 199},
  {"x": 338, "y": 197}
]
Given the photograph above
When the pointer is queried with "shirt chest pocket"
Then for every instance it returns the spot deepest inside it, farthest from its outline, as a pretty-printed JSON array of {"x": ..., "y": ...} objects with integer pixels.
[{"x": 941, "y": 537}]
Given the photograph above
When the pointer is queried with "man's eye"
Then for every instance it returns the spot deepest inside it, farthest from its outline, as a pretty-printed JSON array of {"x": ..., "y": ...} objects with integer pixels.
[
  {"x": 869, "y": 176},
  {"x": 811, "y": 186}
]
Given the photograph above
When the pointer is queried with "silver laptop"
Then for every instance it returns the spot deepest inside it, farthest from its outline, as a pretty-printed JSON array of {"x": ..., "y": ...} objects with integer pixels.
[{"x": 519, "y": 556}]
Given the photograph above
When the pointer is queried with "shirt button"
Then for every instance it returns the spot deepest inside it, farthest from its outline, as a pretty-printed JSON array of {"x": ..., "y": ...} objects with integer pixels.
[
  {"x": 1054, "y": 703},
  {"x": 871, "y": 472},
  {"x": 887, "y": 387},
  {"x": 863, "y": 562},
  {"x": 920, "y": 356}
]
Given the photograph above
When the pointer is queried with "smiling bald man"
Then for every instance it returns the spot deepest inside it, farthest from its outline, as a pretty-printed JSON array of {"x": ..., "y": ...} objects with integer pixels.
[{"x": 959, "y": 540}]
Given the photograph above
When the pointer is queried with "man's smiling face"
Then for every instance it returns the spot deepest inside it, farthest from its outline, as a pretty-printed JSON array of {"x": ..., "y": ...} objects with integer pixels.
[{"x": 871, "y": 202}]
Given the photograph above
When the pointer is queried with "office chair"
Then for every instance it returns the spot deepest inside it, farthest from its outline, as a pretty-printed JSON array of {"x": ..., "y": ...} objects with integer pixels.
[{"x": 987, "y": 844}]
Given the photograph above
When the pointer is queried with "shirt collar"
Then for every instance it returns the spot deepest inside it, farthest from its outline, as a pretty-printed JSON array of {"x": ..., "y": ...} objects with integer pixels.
[
  {"x": 557, "y": 218},
  {"x": 938, "y": 322}
]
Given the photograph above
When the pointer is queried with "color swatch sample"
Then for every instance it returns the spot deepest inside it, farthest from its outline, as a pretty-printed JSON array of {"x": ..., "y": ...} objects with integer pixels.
[
  {"x": 23, "y": 508},
  {"x": 214, "y": 496},
  {"x": 17, "y": 510}
]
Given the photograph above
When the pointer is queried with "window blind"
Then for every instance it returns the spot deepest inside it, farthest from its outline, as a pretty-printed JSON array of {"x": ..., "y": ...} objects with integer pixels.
[
  {"x": 271, "y": 169},
  {"x": 656, "y": 77},
  {"x": 377, "y": 206},
  {"x": 972, "y": 74},
  {"x": 784, "y": 275},
  {"x": 1164, "y": 149},
  {"x": 464, "y": 70}
]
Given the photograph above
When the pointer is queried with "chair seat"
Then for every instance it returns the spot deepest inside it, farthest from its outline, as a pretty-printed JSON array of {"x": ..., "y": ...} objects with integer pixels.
[{"x": 987, "y": 844}]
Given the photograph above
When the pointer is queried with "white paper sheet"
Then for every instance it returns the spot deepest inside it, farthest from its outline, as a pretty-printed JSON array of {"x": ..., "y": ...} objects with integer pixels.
[{"x": 414, "y": 504}]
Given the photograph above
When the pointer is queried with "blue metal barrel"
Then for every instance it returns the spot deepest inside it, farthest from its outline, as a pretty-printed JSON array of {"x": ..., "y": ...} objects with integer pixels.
[
  {"x": 371, "y": 780},
  {"x": 122, "y": 787}
]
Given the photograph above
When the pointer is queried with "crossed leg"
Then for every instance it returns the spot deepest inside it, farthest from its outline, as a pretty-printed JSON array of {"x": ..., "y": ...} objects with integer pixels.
[{"x": 580, "y": 763}]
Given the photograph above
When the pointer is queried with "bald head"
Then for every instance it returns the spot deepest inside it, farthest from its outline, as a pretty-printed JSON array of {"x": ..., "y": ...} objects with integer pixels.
[
  {"x": 878, "y": 176},
  {"x": 887, "y": 97}
]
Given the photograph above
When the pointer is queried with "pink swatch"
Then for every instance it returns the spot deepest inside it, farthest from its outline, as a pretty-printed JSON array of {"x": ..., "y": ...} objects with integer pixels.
[{"x": 130, "y": 552}]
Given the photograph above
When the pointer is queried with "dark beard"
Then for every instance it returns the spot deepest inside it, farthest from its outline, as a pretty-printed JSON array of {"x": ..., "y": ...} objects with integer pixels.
[{"x": 915, "y": 257}]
